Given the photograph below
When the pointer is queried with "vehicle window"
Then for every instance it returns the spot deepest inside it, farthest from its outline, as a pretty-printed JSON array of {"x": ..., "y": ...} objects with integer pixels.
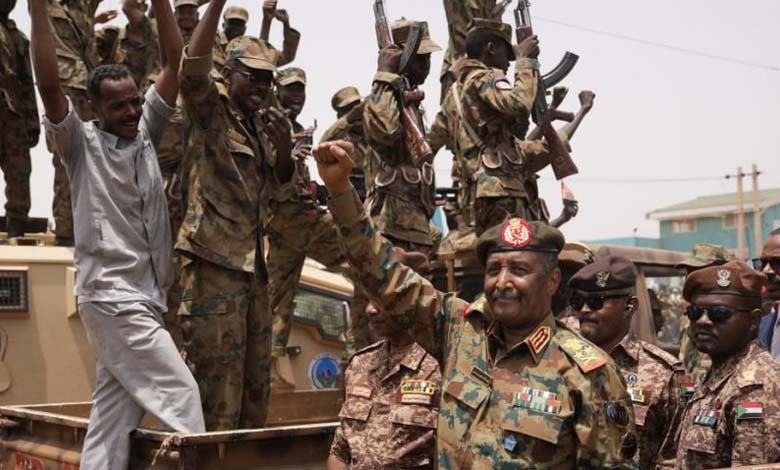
[
  {"x": 669, "y": 293},
  {"x": 324, "y": 310}
]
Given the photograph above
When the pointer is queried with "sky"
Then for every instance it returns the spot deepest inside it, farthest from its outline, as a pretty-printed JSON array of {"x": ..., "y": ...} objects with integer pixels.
[{"x": 660, "y": 113}]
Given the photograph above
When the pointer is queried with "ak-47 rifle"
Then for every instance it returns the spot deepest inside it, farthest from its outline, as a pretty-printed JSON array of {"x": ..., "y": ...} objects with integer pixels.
[
  {"x": 561, "y": 163},
  {"x": 419, "y": 148}
]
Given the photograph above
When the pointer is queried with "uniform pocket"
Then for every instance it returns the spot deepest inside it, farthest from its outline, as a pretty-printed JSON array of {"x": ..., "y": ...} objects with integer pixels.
[
  {"x": 461, "y": 399},
  {"x": 414, "y": 415},
  {"x": 543, "y": 426},
  {"x": 356, "y": 408}
]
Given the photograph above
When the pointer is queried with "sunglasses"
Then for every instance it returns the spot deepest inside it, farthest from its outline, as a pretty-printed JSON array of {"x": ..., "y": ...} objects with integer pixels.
[
  {"x": 595, "y": 302},
  {"x": 717, "y": 314},
  {"x": 761, "y": 263},
  {"x": 255, "y": 77}
]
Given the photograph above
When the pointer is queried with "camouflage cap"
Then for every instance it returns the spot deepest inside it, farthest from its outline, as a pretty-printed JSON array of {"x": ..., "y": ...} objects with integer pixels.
[
  {"x": 181, "y": 3},
  {"x": 236, "y": 13},
  {"x": 400, "y": 30},
  {"x": 345, "y": 97},
  {"x": 575, "y": 256},
  {"x": 735, "y": 278},
  {"x": 517, "y": 234},
  {"x": 291, "y": 75},
  {"x": 706, "y": 254},
  {"x": 253, "y": 52},
  {"x": 496, "y": 28},
  {"x": 610, "y": 275}
]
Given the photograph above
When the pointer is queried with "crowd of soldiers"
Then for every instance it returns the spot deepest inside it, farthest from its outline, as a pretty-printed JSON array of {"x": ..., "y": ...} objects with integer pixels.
[{"x": 174, "y": 197}]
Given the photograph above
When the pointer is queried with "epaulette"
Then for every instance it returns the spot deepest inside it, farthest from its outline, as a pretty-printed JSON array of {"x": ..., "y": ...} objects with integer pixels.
[
  {"x": 368, "y": 348},
  {"x": 659, "y": 353},
  {"x": 478, "y": 305},
  {"x": 584, "y": 353}
]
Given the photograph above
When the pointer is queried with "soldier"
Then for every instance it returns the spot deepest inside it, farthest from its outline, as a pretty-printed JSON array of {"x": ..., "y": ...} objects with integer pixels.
[
  {"x": 225, "y": 325},
  {"x": 519, "y": 391},
  {"x": 349, "y": 126},
  {"x": 123, "y": 248},
  {"x": 733, "y": 417},
  {"x": 187, "y": 17},
  {"x": 233, "y": 25},
  {"x": 393, "y": 390},
  {"x": 134, "y": 45},
  {"x": 572, "y": 258},
  {"x": 603, "y": 293},
  {"x": 18, "y": 119},
  {"x": 291, "y": 36},
  {"x": 400, "y": 190},
  {"x": 73, "y": 23},
  {"x": 769, "y": 263}
]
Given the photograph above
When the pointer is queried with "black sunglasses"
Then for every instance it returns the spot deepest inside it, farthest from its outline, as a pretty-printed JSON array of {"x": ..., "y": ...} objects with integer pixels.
[
  {"x": 258, "y": 77},
  {"x": 595, "y": 302},
  {"x": 761, "y": 263},
  {"x": 717, "y": 314}
]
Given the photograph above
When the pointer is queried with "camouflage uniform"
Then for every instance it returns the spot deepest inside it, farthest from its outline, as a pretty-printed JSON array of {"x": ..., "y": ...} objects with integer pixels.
[
  {"x": 73, "y": 23},
  {"x": 543, "y": 403},
  {"x": 344, "y": 129},
  {"x": 224, "y": 321},
  {"x": 388, "y": 420},
  {"x": 459, "y": 15},
  {"x": 400, "y": 194},
  {"x": 18, "y": 119},
  {"x": 292, "y": 39},
  {"x": 142, "y": 59}
]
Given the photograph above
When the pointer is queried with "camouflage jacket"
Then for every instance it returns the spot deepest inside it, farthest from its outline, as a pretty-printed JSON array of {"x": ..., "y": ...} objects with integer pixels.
[
  {"x": 654, "y": 378},
  {"x": 400, "y": 193},
  {"x": 459, "y": 15},
  {"x": 388, "y": 420},
  {"x": 76, "y": 52},
  {"x": 18, "y": 105},
  {"x": 226, "y": 193},
  {"x": 542, "y": 403},
  {"x": 143, "y": 59},
  {"x": 342, "y": 130},
  {"x": 734, "y": 415},
  {"x": 292, "y": 39}
]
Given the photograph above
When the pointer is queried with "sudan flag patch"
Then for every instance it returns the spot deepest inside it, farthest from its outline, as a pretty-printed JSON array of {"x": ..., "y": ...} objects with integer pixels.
[{"x": 750, "y": 410}]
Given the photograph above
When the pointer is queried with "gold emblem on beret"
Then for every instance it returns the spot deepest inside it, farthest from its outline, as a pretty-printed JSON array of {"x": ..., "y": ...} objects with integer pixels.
[
  {"x": 602, "y": 278},
  {"x": 516, "y": 233},
  {"x": 724, "y": 278}
]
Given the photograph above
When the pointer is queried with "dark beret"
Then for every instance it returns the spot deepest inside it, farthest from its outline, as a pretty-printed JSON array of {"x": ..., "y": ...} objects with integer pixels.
[
  {"x": 518, "y": 234},
  {"x": 734, "y": 278},
  {"x": 608, "y": 275}
]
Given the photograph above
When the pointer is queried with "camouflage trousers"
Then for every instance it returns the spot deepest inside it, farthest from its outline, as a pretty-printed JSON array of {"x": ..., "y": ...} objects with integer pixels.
[
  {"x": 15, "y": 164},
  {"x": 298, "y": 231},
  {"x": 226, "y": 341},
  {"x": 492, "y": 211},
  {"x": 61, "y": 205}
]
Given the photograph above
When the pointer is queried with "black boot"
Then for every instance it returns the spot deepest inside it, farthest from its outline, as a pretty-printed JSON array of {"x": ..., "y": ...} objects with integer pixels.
[{"x": 14, "y": 226}]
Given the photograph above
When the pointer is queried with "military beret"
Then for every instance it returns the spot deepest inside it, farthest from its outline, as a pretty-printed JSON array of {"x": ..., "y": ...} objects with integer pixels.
[
  {"x": 291, "y": 75},
  {"x": 496, "y": 28},
  {"x": 236, "y": 13},
  {"x": 344, "y": 97},
  {"x": 253, "y": 52},
  {"x": 706, "y": 254},
  {"x": 610, "y": 275},
  {"x": 735, "y": 279},
  {"x": 181, "y": 3},
  {"x": 517, "y": 234},
  {"x": 400, "y": 30}
]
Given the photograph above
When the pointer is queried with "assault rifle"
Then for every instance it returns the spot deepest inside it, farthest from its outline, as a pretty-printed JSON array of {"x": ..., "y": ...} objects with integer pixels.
[
  {"x": 419, "y": 148},
  {"x": 561, "y": 163}
]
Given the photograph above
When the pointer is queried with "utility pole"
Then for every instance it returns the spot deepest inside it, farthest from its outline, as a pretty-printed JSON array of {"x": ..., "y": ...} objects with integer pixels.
[
  {"x": 740, "y": 216},
  {"x": 758, "y": 242}
]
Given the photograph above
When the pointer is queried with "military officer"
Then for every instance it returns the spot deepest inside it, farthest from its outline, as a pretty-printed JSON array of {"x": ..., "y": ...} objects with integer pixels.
[
  {"x": 518, "y": 390},
  {"x": 223, "y": 315},
  {"x": 733, "y": 417},
  {"x": 233, "y": 25},
  {"x": 572, "y": 258},
  {"x": 18, "y": 119},
  {"x": 291, "y": 36},
  {"x": 603, "y": 293},
  {"x": 400, "y": 189}
]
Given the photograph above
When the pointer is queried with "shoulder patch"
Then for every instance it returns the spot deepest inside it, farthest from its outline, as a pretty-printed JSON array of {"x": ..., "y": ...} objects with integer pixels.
[
  {"x": 478, "y": 305},
  {"x": 584, "y": 353},
  {"x": 760, "y": 369},
  {"x": 661, "y": 355},
  {"x": 368, "y": 348}
]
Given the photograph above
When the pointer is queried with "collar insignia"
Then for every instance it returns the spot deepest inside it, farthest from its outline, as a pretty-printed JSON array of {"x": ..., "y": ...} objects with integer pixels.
[
  {"x": 516, "y": 233},
  {"x": 602, "y": 278},
  {"x": 724, "y": 277},
  {"x": 539, "y": 339}
]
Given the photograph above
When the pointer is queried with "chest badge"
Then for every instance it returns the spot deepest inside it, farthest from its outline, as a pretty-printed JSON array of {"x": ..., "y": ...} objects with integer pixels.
[
  {"x": 538, "y": 400},
  {"x": 707, "y": 418},
  {"x": 417, "y": 392},
  {"x": 750, "y": 410},
  {"x": 637, "y": 395}
]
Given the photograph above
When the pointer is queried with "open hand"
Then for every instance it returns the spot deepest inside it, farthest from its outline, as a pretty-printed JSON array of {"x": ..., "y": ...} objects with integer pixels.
[
  {"x": 278, "y": 129},
  {"x": 334, "y": 164}
]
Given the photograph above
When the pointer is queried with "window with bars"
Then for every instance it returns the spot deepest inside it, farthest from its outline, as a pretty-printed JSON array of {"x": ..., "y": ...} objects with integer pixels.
[
  {"x": 13, "y": 291},
  {"x": 325, "y": 310}
]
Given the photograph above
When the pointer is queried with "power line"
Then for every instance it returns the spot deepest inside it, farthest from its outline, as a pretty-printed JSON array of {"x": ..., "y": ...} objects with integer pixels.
[{"x": 733, "y": 60}]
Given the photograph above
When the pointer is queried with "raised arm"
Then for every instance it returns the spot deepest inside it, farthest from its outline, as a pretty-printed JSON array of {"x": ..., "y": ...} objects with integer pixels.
[
  {"x": 586, "y": 104},
  {"x": 171, "y": 44},
  {"x": 205, "y": 33},
  {"x": 44, "y": 59},
  {"x": 292, "y": 39},
  {"x": 269, "y": 10}
]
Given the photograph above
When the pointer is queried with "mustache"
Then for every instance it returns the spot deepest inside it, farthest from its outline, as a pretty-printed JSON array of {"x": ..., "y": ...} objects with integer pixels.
[{"x": 506, "y": 294}]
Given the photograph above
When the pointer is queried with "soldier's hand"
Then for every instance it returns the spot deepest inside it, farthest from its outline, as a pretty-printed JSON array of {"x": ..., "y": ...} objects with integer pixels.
[
  {"x": 106, "y": 16},
  {"x": 528, "y": 48},
  {"x": 570, "y": 209},
  {"x": 586, "y": 100},
  {"x": 278, "y": 129},
  {"x": 269, "y": 8},
  {"x": 558, "y": 95},
  {"x": 389, "y": 59},
  {"x": 282, "y": 16},
  {"x": 334, "y": 164}
]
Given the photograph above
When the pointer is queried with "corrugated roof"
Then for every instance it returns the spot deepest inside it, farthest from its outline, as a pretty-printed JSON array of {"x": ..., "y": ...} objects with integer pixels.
[{"x": 719, "y": 202}]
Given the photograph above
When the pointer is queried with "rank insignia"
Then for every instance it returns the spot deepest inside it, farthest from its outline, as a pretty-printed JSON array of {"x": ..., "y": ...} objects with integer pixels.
[
  {"x": 539, "y": 339},
  {"x": 708, "y": 418},
  {"x": 632, "y": 379},
  {"x": 750, "y": 410},
  {"x": 637, "y": 395},
  {"x": 419, "y": 392},
  {"x": 510, "y": 442},
  {"x": 358, "y": 391},
  {"x": 724, "y": 278},
  {"x": 538, "y": 400},
  {"x": 602, "y": 278},
  {"x": 516, "y": 233}
]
